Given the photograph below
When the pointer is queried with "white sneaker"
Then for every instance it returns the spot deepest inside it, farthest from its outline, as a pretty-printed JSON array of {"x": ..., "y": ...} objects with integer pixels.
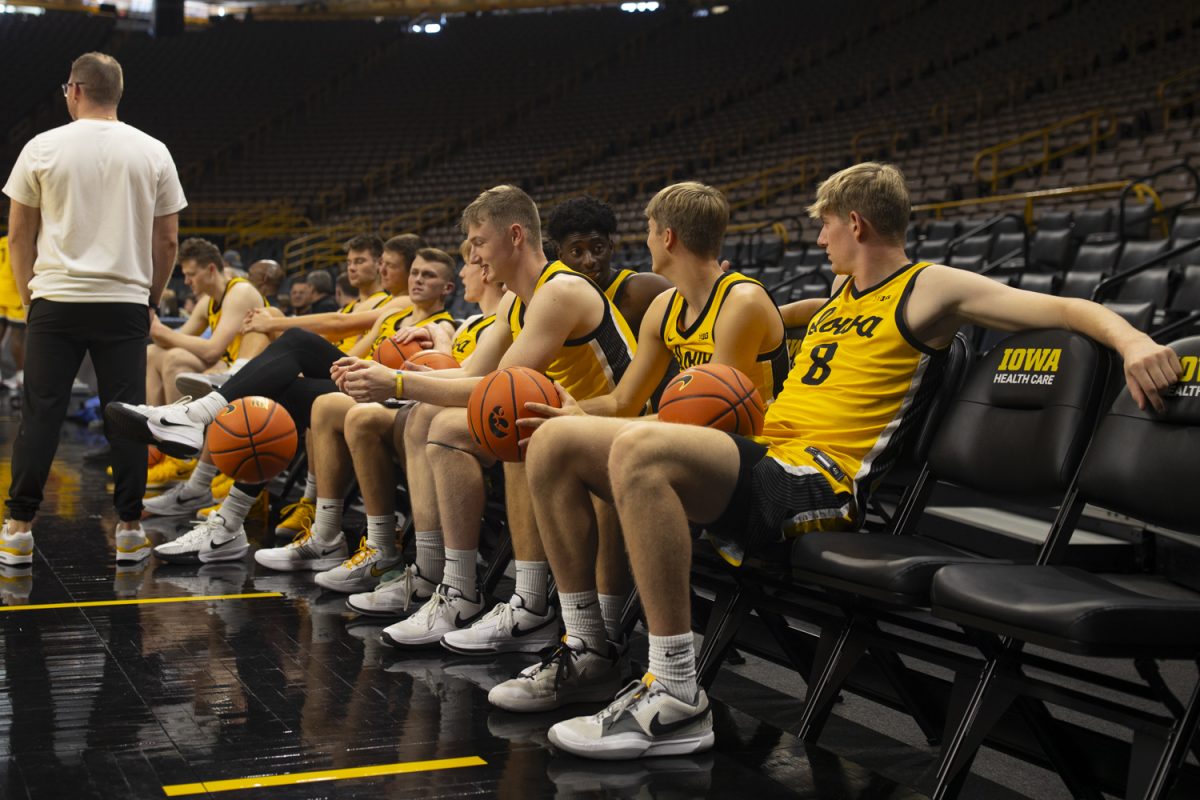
[
  {"x": 15, "y": 548},
  {"x": 359, "y": 573},
  {"x": 168, "y": 427},
  {"x": 222, "y": 544},
  {"x": 645, "y": 720},
  {"x": 399, "y": 592},
  {"x": 507, "y": 628},
  {"x": 198, "y": 384},
  {"x": 132, "y": 545},
  {"x": 178, "y": 501},
  {"x": 570, "y": 674},
  {"x": 207, "y": 541},
  {"x": 304, "y": 552},
  {"x": 447, "y": 610}
]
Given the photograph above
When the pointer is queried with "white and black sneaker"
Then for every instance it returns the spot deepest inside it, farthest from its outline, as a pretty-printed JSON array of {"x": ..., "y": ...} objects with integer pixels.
[
  {"x": 305, "y": 552},
  {"x": 180, "y": 499},
  {"x": 447, "y": 610},
  {"x": 507, "y": 628},
  {"x": 645, "y": 720},
  {"x": 398, "y": 593},
  {"x": 360, "y": 572},
  {"x": 207, "y": 541},
  {"x": 572, "y": 673},
  {"x": 168, "y": 427}
]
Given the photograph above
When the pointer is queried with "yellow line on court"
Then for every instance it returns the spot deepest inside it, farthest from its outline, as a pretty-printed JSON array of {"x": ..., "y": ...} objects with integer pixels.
[
  {"x": 141, "y": 601},
  {"x": 181, "y": 789}
]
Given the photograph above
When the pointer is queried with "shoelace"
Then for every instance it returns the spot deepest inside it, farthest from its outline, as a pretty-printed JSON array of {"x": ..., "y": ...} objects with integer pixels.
[
  {"x": 505, "y": 612},
  {"x": 560, "y": 658},
  {"x": 288, "y": 510},
  {"x": 432, "y": 607},
  {"x": 405, "y": 577},
  {"x": 363, "y": 552},
  {"x": 630, "y": 696},
  {"x": 200, "y": 530},
  {"x": 301, "y": 538}
]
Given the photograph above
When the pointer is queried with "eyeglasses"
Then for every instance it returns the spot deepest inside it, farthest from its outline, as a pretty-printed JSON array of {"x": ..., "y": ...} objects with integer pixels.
[{"x": 66, "y": 87}]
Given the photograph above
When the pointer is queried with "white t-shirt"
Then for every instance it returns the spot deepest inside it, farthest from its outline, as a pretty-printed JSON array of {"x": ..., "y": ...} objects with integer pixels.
[{"x": 99, "y": 185}]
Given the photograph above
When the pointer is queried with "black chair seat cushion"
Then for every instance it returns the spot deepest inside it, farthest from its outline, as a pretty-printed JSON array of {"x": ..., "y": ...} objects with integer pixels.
[
  {"x": 881, "y": 565},
  {"x": 1065, "y": 608}
]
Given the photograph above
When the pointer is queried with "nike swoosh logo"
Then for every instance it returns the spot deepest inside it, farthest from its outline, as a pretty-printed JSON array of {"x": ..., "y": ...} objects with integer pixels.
[
  {"x": 658, "y": 728},
  {"x": 379, "y": 573},
  {"x": 330, "y": 551},
  {"x": 673, "y": 655},
  {"x": 215, "y": 546},
  {"x": 518, "y": 631},
  {"x": 585, "y": 605},
  {"x": 168, "y": 424}
]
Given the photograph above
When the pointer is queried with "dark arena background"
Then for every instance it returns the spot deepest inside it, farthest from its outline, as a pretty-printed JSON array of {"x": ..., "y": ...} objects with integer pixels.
[{"x": 1052, "y": 145}]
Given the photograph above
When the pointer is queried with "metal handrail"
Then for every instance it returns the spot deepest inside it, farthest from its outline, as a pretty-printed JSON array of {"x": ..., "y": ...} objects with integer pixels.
[
  {"x": 1095, "y": 136},
  {"x": 1102, "y": 289},
  {"x": 1159, "y": 210}
]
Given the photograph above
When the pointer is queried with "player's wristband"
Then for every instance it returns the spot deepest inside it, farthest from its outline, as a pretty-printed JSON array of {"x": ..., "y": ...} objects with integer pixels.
[{"x": 399, "y": 385}]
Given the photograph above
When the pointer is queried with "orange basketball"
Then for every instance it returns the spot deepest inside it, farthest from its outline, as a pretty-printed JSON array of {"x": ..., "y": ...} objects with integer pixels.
[
  {"x": 434, "y": 360},
  {"x": 252, "y": 440},
  {"x": 392, "y": 354},
  {"x": 714, "y": 396},
  {"x": 499, "y": 401},
  {"x": 153, "y": 456}
]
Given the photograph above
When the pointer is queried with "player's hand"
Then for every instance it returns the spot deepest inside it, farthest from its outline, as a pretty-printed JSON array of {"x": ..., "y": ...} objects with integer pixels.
[
  {"x": 1149, "y": 369},
  {"x": 369, "y": 382},
  {"x": 570, "y": 408},
  {"x": 421, "y": 336},
  {"x": 339, "y": 368},
  {"x": 257, "y": 321},
  {"x": 157, "y": 330}
]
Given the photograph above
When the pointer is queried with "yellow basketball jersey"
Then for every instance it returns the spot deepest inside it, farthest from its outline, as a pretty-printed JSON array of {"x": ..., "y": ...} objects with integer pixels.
[
  {"x": 466, "y": 340},
  {"x": 392, "y": 324},
  {"x": 374, "y": 301},
  {"x": 214, "y": 316},
  {"x": 859, "y": 375},
  {"x": 696, "y": 343},
  {"x": 591, "y": 365},
  {"x": 613, "y": 290}
]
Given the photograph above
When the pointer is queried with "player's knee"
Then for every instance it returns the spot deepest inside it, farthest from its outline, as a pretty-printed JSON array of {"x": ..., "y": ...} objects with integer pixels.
[
  {"x": 634, "y": 458},
  {"x": 367, "y": 422},
  {"x": 450, "y": 428},
  {"x": 178, "y": 358},
  {"x": 326, "y": 408},
  {"x": 551, "y": 446}
]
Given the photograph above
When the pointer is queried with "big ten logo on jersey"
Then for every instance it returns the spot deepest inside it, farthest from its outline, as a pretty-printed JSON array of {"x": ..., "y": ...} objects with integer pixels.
[
  {"x": 1189, "y": 379},
  {"x": 1034, "y": 366},
  {"x": 691, "y": 358},
  {"x": 827, "y": 322}
]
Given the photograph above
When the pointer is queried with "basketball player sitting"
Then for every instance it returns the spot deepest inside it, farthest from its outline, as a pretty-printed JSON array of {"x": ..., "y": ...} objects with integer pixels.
[
  {"x": 373, "y": 440},
  {"x": 323, "y": 546},
  {"x": 711, "y": 316},
  {"x": 375, "y": 279},
  {"x": 809, "y": 470},
  {"x": 584, "y": 230},
  {"x": 294, "y": 370},
  {"x": 554, "y": 320}
]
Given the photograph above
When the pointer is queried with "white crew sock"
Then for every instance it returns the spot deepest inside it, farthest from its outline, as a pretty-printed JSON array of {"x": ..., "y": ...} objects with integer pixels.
[
  {"x": 201, "y": 480},
  {"x": 328, "y": 521},
  {"x": 235, "y": 508},
  {"x": 460, "y": 571},
  {"x": 431, "y": 555},
  {"x": 310, "y": 487},
  {"x": 381, "y": 534},
  {"x": 673, "y": 664},
  {"x": 611, "y": 606},
  {"x": 582, "y": 618},
  {"x": 205, "y": 409},
  {"x": 532, "y": 577}
]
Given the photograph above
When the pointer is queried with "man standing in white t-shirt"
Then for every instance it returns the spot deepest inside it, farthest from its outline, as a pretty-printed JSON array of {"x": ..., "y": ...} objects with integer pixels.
[{"x": 93, "y": 231}]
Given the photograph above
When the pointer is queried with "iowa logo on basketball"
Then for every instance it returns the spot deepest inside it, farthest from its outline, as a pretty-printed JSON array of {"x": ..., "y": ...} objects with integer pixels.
[
  {"x": 498, "y": 424},
  {"x": 1189, "y": 379},
  {"x": 1028, "y": 365}
]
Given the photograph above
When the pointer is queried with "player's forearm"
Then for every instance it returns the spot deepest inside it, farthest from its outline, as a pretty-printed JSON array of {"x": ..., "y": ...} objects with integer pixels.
[
  {"x": 329, "y": 323},
  {"x": 204, "y": 349},
  {"x": 438, "y": 391},
  {"x": 1099, "y": 323}
]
